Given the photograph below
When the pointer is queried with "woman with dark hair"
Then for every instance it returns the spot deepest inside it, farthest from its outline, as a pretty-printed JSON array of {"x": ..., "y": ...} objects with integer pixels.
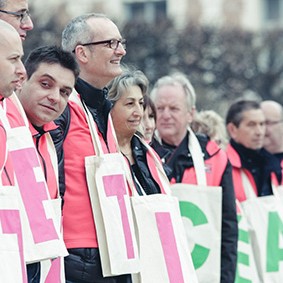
[{"x": 148, "y": 119}]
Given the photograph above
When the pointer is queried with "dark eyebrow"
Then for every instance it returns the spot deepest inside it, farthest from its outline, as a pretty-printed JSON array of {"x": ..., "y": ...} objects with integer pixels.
[
  {"x": 54, "y": 80},
  {"x": 48, "y": 76},
  {"x": 67, "y": 87}
]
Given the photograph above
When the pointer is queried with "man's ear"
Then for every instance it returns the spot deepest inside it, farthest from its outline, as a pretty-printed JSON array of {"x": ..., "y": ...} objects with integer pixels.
[
  {"x": 81, "y": 54},
  {"x": 191, "y": 115},
  {"x": 232, "y": 130}
]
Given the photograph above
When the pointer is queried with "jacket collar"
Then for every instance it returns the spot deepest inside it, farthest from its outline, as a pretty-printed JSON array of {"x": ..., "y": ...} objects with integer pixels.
[
  {"x": 42, "y": 130},
  {"x": 92, "y": 96}
]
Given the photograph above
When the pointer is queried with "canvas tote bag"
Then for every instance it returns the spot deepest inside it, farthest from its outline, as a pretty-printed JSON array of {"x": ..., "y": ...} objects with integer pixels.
[
  {"x": 265, "y": 219},
  {"x": 41, "y": 238},
  {"x": 111, "y": 206},
  {"x": 163, "y": 248},
  {"x": 246, "y": 267},
  {"x": 12, "y": 264},
  {"x": 201, "y": 210}
]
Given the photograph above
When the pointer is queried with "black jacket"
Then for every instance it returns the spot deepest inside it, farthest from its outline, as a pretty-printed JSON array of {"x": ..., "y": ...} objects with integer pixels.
[
  {"x": 141, "y": 170},
  {"x": 260, "y": 163},
  {"x": 179, "y": 159}
]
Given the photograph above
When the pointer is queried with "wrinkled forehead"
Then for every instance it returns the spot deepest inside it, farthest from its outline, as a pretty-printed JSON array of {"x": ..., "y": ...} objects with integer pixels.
[
  {"x": 253, "y": 115},
  {"x": 103, "y": 28},
  {"x": 272, "y": 111},
  {"x": 9, "y": 36},
  {"x": 15, "y": 5}
]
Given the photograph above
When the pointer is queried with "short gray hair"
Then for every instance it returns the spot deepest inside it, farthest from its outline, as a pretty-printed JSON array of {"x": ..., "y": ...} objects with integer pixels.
[
  {"x": 177, "y": 79},
  {"x": 128, "y": 78},
  {"x": 78, "y": 31}
]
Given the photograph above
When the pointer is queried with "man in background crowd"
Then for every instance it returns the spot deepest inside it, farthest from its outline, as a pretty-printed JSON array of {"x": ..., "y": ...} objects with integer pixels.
[
  {"x": 245, "y": 122},
  {"x": 273, "y": 140}
]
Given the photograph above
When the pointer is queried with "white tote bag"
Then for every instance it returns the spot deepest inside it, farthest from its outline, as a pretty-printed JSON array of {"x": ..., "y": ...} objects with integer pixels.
[
  {"x": 112, "y": 213},
  {"x": 201, "y": 210},
  {"x": 12, "y": 264},
  {"x": 53, "y": 270},
  {"x": 246, "y": 267},
  {"x": 111, "y": 206},
  {"x": 164, "y": 252},
  {"x": 41, "y": 238},
  {"x": 265, "y": 218}
]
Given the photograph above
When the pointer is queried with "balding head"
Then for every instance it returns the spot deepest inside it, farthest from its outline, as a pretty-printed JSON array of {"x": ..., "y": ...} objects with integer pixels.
[
  {"x": 273, "y": 113},
  {"x": 4, "y": 26},
  {"x": 11, "y": 66}
]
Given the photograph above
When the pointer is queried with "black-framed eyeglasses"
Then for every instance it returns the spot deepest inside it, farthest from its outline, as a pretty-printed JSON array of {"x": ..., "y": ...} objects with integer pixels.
[
  {"x": 271, "y": 123},
  {"x": 111, "y": 43},
  {"x": 22, "y": 15}
]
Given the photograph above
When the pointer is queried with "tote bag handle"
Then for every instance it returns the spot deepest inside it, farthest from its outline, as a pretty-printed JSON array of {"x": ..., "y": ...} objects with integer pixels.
[{"x": 197, "y": 156}]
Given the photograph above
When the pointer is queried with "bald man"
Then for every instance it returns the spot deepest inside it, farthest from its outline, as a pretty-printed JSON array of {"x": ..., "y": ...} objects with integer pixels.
[
  {"x": 11, "y": 69},
  {"x": 17, "y": 164},
  {"x": 273, "y": 112},
  {"x": 11, "y": 66}
]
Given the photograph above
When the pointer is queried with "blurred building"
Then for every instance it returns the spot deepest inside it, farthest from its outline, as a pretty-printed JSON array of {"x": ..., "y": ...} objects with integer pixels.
[{"x": 247, "y": 14}]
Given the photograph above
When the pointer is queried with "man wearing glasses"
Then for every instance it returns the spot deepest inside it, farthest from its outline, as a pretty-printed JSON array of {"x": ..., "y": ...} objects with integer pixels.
[
  {"x": 16, "y": 13},
  {"x": 98, "y": 47},
  {"x": 273, "y": 112}
]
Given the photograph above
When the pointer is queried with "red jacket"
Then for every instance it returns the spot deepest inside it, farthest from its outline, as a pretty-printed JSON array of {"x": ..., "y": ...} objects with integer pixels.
[
  {"x": 215, "y": 167},
  {"x": 78, "y": 221},
  {"x": 236, "y": 174}
]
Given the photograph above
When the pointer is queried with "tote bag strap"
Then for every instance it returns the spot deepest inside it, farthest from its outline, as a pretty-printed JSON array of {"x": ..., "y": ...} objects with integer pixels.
[
  {"x": 275, "y": 187},
  {"x": 249, "y": 191},
  {"x": 3, "y": 115},
  {"x": 158, "y": 164},
  {"x": 20, "y": 108},
  {"x": 198, "y": 160},
  {"x": 91, "y": 124},
  {"x": 6, "y": 125}
]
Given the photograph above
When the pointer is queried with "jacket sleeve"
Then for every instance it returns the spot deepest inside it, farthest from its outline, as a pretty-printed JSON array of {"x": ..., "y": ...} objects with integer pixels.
[
  {"x": 229, "y": 228},
  {"x": 58, "y": 136}
]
